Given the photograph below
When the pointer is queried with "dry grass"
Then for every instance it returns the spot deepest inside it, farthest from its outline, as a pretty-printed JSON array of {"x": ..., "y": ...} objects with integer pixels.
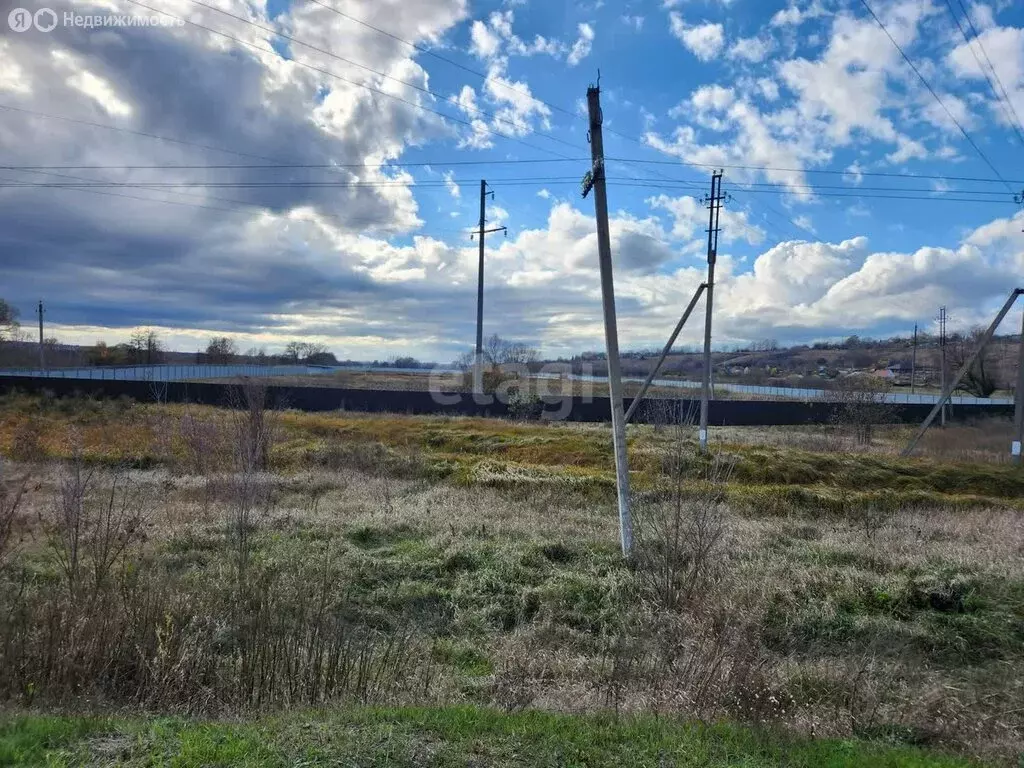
[{"x": 401, "y": 559}]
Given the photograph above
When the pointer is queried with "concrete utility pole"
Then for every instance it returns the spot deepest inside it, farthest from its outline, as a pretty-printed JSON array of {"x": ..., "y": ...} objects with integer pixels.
[
  {"x": 595, "y": 179},
  {"x": 1018, "y": 399},
  {"x": 714, "y": 203},
  {"x": 913, "y": 362},
  {"x": 478, "y": 358},
  {"x": 42, "y": 349},
  {"x": 942, "y": 361}
]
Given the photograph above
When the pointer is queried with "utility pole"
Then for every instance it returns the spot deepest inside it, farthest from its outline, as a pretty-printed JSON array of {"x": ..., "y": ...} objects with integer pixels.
[
  {"x": 714, "y": 203},
  {"x": 478, "y": 358},
  {"x": 942, "y": 361},
  {"x": 913, "y": 362},
  {"x": 595, "y": 179},
  {"x": 42, "y": 349},
  {"x": 1018, "y": 399},
  {"x": 986, "y": 337}
]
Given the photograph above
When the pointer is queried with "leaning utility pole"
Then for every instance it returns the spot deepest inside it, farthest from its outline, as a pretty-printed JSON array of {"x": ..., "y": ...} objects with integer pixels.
[
  {"x": 595, "y": 179},
  {"x": 42, "y": 352},
  {"x": 715, "y": 207},
  {"x": 913, "y": 362},
  {"x": 478, "y": 358},
  {"x": 986, "y": 337}
]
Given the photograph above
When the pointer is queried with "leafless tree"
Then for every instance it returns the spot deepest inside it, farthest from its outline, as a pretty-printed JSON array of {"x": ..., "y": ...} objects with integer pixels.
[
  {"x": 10, "y": 328},
  {"x": 221, "y": 349},
  {"x": 981, "y": 378}
]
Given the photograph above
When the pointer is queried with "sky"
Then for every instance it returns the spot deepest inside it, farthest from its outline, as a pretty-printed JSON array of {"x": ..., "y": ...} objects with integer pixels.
[{"x": 310, "y": 169}]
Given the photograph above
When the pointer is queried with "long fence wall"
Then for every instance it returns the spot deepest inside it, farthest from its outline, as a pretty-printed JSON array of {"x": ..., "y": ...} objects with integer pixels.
[{"x": 596, "y": 409}]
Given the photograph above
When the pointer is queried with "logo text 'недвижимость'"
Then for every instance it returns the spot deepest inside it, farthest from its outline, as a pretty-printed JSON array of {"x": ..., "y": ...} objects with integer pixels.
[{"x": 46, "y": 19}]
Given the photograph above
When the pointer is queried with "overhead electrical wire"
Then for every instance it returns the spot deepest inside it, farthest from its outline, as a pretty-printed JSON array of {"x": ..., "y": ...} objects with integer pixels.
[
  {"x": 935, "y": 95},
  {"x": 937, "y": 197},
  {"x": 295, "y": 166},
  {"x": 830, "y": 171},
  {"x": 1007, "y": 106}
]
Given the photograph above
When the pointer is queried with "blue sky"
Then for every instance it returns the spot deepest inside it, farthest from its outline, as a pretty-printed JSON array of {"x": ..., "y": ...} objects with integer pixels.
[{"x": 811, "y": 110}]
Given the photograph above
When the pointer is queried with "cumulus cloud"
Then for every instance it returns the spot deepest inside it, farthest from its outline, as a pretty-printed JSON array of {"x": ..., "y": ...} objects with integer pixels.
[
  {"x": 581, "y": 48},
  {"x": 705, "y": 41}
]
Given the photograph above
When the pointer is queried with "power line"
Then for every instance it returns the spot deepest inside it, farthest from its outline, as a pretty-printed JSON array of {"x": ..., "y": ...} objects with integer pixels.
[
  {"x": 346, "y": 80},
  {"x": 834, "y": 194},
  {"x": 287, "y": 166},
  {"x": 450, "y": 99},
  {"x": 830, "y": 171},
  {"x": 812, "y": 188},
  {"x": 1004, "y": 101},
  {"x": 931, "y": 90},
  {"x": 514, "y": 181}
]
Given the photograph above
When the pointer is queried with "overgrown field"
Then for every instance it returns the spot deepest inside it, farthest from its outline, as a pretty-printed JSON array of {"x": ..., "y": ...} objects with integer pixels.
[{"x": 217, "y": 563}]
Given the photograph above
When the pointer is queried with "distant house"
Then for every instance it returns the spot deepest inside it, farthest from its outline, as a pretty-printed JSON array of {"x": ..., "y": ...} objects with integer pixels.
[{"x": 884, "y": 373}]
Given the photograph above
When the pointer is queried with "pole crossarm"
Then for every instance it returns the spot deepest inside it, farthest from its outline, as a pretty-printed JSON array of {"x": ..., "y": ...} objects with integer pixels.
[
  {"x": 472, "y": 235},
  {"x": 951, "y": 387},
  {"x": 665, "y": 352}
]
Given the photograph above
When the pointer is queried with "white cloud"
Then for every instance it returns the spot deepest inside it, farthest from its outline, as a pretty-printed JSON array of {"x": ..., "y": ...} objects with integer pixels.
[
  {"x": 484, "y": 43},
  {"x": 705, "y": 41},
  {"x": 451, "y": 185},
  {"x": 581, "y": 48},
  {"x": 907, "y": 149},
  {"x": 1005, "y": 49},
  {"x": 690, "y": 219},
  {"x": 751, "y": 49},
  {"x": 544, "y": 194}
]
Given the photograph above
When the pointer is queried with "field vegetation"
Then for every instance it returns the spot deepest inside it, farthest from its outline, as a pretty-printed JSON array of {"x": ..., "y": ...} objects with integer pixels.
[{"x": 395, "y": 590}]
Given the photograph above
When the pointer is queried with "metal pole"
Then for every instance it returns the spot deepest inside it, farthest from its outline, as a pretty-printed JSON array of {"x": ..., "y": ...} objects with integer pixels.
[
  {"x": 947, "y": 391},
  {"x": 716, "y": 184},
  {"x": 611, "y": 333},
  {"x": 478, "y": 361},
  {"x": 668, "y": 347},
  {"x": 1018, "y": 397}
]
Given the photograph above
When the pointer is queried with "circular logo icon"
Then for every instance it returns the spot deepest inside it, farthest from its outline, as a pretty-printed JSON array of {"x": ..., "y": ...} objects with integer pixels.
[
  {"x": 45, "y": 19},
  {"x": 19, "y": 20}
]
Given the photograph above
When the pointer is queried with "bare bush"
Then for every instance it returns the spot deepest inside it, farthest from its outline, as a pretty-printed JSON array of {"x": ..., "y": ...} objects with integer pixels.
[
  {"x": 201, "y": 443},
  {"x": 678, "y": 532},
  {"x": 27, "y": 440},
  {"x": 89, "y": 529},
  {"x": 254, "y": 427},
  {"x": 11, "y": 494},
  {"x": 861, "y": 406}
]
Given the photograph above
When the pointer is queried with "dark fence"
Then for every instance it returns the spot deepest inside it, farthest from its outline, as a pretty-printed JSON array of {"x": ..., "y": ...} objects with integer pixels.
[{"x": 721, "y": 412}]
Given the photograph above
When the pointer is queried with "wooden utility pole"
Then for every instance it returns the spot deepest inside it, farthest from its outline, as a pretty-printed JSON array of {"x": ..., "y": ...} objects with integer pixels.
[
  {"x": 42, "y": 348},
  {"x": 595, "y": 179},
  {"x": 478, "y": 358},
  {"x": 913, "y": 362},
  {"x": 714, "y": 202}
]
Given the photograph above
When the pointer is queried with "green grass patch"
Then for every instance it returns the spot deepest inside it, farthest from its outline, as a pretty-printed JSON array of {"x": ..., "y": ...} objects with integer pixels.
[{"x": 444, "y": 737}]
